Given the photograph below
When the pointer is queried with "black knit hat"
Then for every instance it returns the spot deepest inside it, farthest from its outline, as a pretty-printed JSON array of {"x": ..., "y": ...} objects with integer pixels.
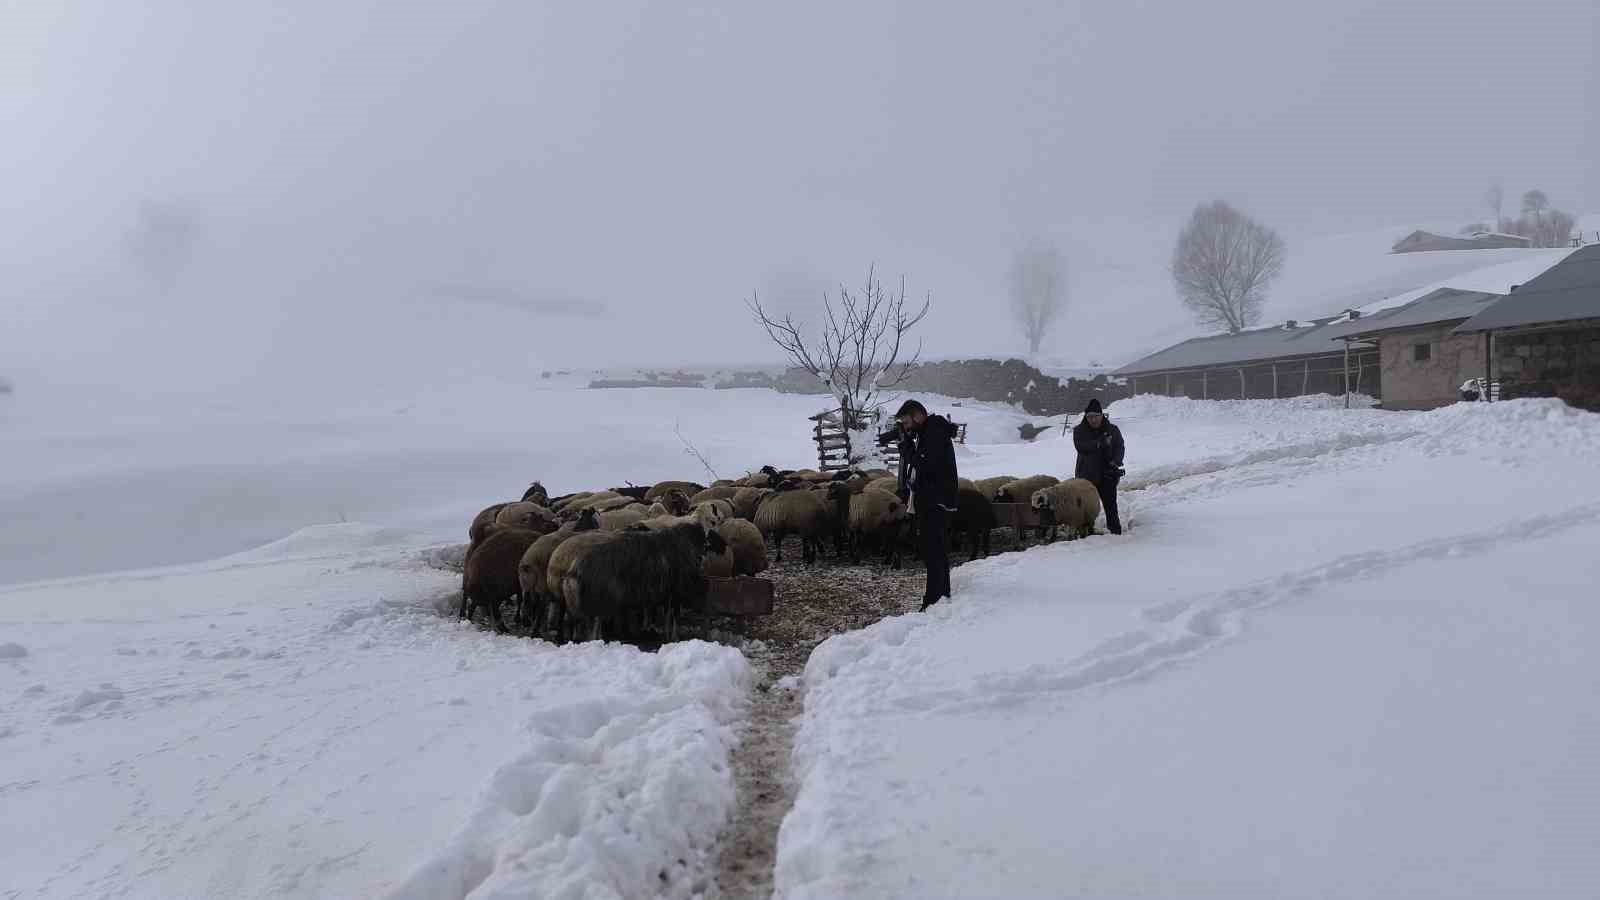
[
  {"x": 909, "y": 407},
  {"x": 1094, "y": 406}
]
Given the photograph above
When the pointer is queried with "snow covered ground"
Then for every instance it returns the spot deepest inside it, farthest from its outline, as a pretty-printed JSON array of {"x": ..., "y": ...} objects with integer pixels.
[
  {"x": 1340, "y": 653},
  {"x": 281, "y": 710},
  {"x": 1353, "y": 661},
  {"x": 301, "y": 721}
]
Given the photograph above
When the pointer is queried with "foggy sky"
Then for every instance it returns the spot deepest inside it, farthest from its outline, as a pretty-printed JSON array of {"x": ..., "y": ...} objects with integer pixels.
[{"x": 610, "y": 180}]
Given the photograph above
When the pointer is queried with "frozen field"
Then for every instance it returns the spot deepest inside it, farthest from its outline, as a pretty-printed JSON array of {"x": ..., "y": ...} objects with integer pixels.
[{"x": 1340, "y": 653}]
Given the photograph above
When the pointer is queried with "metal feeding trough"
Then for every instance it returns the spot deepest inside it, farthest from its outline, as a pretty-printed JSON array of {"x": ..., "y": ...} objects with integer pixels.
[{"x": 741, "y": 596}]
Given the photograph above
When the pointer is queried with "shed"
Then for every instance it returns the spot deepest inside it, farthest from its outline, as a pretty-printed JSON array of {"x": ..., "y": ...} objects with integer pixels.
[
  {"x": 1287, "y": 360},
  {"x": 1544, "y": 337},
  {"x": 1422, "y": 361}
]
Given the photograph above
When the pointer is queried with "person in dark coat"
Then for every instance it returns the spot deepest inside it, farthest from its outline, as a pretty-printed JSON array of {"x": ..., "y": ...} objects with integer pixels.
[
  {"x": 928, "y": 483},
  {"x": 1100, "y": 449}
]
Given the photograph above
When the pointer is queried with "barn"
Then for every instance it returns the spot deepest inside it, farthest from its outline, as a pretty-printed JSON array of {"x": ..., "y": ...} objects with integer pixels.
[
  {"x": 1543, "y": 338},
  {"x": 1422, "y": 362},
  {"x": 1287, "y": 360}
]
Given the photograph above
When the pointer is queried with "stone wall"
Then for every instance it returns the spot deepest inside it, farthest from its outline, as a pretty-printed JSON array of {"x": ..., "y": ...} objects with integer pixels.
[
  {"x": 1563, "y": 363},
  {"x": 1409, "y": 383},
  {"x": 1012, "y": 381}
]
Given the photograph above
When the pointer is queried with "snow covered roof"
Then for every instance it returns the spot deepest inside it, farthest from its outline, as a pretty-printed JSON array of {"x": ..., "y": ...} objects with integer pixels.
[
  {"x": 1253, "y": 345},
  {"x": 1494, "y": 279},
  {"x": 1568, "y": 290},
  {"x": 1441, "y": 305}
]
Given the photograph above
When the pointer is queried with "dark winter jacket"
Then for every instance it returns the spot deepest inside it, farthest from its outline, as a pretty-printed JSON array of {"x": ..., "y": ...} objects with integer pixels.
[
  {"x": 932, "y": 459},
  {"x": 1099, "y": 450}
]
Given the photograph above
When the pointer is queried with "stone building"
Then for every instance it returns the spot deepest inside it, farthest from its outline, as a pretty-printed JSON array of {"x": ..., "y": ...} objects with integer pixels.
[
  {"x": 1545, "y": 335},
  {"x": 1422, "y": 362}
]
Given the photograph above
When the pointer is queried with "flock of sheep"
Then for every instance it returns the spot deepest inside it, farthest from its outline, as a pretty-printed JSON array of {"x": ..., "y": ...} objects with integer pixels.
[{"x": 632, "y": 558}]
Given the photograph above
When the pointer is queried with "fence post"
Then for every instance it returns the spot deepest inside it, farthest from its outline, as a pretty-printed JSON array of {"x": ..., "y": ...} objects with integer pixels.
[
  {"x": 1243, "y": 394},
  {"x": 1274, "y": 379},
  {"x": 1346, "y": 374}
]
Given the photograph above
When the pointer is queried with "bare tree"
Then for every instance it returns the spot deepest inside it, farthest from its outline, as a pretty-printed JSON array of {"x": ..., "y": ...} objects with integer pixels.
[
  {"x": 1038, "y": 291},
  {"x": 857, "y": 356},
  {"x": 1222, "y": 264},
  {"x": 1542, "y": 224},
  {"x": 1495, "y": 197}
]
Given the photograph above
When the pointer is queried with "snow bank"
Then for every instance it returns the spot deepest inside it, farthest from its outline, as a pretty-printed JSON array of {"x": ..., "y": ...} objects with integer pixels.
[
  {"x": 614, "y": 793},
  {"x": 329, "y": 540},
  {"x": 1299, "y": 675},
  {"x": 1155, "y": 406},
  {"x": 303, "y": 723}
]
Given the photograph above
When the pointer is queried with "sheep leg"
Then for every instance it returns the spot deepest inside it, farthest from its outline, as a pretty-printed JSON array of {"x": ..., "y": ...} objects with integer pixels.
[
  {"x": 777, "y": 541},
  {"x": 494, "y": 614},
  {"x": 597, "y": 630},
  {"x": 553, "y": 614},
  {"x": 535, "y": 615}
]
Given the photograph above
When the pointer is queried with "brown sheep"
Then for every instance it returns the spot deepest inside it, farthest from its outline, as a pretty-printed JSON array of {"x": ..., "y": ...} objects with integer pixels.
[
  {"x": 559, "y": 504},
  {"x": 801, "y": 512},
  {"x": 877, "y": 516},
  {"x": 991, "y": 486},
  {"x": 676, "y": 502},
  {"x": 1021, "y": 490},
  {"x": 749, "y": 548},
  {"x": 562, "y": 561},
  {"x": 535, "y": 563},
  {"x": 483, "y": 523},
  {"x": 888, "y": 485},
  {"x": 624, "y": 518},
  {"x": 524, "y": 514},
  {"x": 689, "y": 488},
  {"x": 745, "y": 501},
  {"x": 724, "y": 492},
  {"x": 1073, "y": 503},
  {"x": 490, "y": 575}
]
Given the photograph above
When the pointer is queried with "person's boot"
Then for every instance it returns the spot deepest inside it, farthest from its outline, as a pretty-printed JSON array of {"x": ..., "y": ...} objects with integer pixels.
[{"x": 927, "y": 602}]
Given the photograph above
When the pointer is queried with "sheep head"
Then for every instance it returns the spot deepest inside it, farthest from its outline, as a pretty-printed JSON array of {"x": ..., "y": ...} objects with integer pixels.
[{"x": 676, "y": 502}]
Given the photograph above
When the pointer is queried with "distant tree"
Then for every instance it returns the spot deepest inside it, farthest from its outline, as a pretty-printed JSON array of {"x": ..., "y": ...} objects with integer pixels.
[
  {"x": 1038, "y": 291},
  {"x": 857, "y": 355},
  {"x": 1222, "y": 264},
  {"x": 1476, "y": 227},
  {"x": 1495, "y": 197},
  {"x": 162, "y": 242},
  {"x": 1540, "y": 223}
]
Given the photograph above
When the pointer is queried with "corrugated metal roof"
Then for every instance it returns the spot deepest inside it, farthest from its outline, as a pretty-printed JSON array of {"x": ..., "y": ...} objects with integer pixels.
[
  {"x": 1254, "y": 345},
  {"x": 1442, "y": 305},
  {"x": 1568, "y": 290}
]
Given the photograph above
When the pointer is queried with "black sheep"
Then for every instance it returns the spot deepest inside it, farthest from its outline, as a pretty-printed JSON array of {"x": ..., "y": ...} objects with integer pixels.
[
  {"x": 974, "y": 519},
  {"x": 640, "y": 574}
]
